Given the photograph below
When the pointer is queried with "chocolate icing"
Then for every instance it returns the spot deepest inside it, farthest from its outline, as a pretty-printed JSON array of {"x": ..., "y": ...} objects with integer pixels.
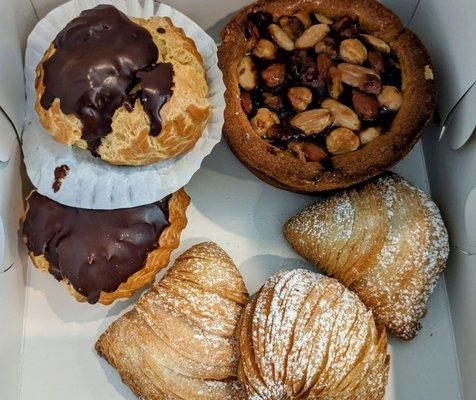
[
  {"x": 94, "y": 68},
  {"x": 96, "y": 250},
  {"x": 60, "y": 173},
  {"x": 156, "y": 85}
]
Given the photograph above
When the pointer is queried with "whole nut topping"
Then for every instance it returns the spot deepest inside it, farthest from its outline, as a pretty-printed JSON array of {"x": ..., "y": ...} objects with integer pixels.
[
  {"x": 311, "y": 36},
  {"x": 292, "y": 26},
  {"x": 343, "y": 116},
  {"x": 377, "y": 62},
  {"x": 353, "y": 51},
  {"x": 305, "y": 18},
  {"x": 376, "y": 43},
  {"x": 390, "y": 98},
  {"x": 324, "y": 63},
  {"x": 300, "y": 98},
  {"x": 263, "y": 121},
  {"x": 365, "y": 106},
  {"x": 307, "y": 151},
  {"x": 342, "y": 140},
  {"x": 265, "y": 49},
  {"x": 323, "y": 19},
  {"x": 334, "y": 83},
  {"x": 247, "y": 75},
  {"x": 251, "y": 35},
  {"x": 272, "y": 101},
  {"x": 354, "y": 75},
  {"x": 280, "y": 37},
  {"x": 274, "y": 75},
  {"x": 369, "y": 134},
  {"x": 312, "y": 121},
  {"x": 246, "y": 102}
]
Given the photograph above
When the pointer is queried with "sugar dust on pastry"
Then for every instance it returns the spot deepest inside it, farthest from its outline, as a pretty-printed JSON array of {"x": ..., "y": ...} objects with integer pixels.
[
  {"x": 103, "y": 255},
  {"x": 130, "y": 90}
]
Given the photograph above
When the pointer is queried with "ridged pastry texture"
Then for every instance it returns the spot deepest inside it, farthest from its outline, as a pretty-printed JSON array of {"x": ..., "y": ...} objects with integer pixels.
[
  {"x": 184, "y": 116},
  {"x": 179, "y": 340},
  {"x": 385, "y": 240},
  {"x": 305, "y": 336}
]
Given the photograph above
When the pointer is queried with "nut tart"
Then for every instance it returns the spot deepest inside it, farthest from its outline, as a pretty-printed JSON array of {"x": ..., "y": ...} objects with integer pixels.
[
  {"x": 323, "y": 94},
  {"x": 385, "y": 240},
  {"x": 103, "y": 255},
  {"x": 305, "y": 336},
  {"x": 178, "y": 342}
]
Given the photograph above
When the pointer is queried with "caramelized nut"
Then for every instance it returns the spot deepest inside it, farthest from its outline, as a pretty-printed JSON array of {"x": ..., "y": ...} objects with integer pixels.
[
  {"x": 390, "y": 98},
  {"x": 312, "y": 121},
  {"x": 305, "y": 18},
  {"x": 360, "y": 77},
  {"x": 369, "y": 134},
  {"x": 428, "y": 73},
  {"x": 281, "y": 38},
  {"x": 376, "y": 43},
  {"x": 365, "y": 106},
  {"x": 251, "y": 35},
  {"x": 263, "y": 121},
  {"x": 247, "y": 75},
  {"x": 353, "y": 51},
  {"x": 311, "y": 36},
  {"x": 324, "y": 63},
  {"x": 246, "y": 102},
  {"x": 265, "y": 49},
  {"x": 347, "y": 27},
  {"x": 334, "y": 83},
  {"x": 274, "y": 75},
  {"x": 342, "y": 140},
  {"x": 377, "y": 62},
  {"x": 272, "y": 101},
  {"x": 343, "y": 116},
  {"x": 307, "y": 151},
  {"x": 300, "y": 98},
  {"x": 296, "y": 148},
  {"x": 326, "y": 46},
  {"x": 292, "y": 26},
  {"x": 323, "y": 19}
]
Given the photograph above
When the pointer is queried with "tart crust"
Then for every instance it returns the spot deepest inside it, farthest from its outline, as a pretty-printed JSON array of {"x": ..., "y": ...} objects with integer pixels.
[
  {"x": 281, "y": 169},
  {"x": 156, "y": 259}
]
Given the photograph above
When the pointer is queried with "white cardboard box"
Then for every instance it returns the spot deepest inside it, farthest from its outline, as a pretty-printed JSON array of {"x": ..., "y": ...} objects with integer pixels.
[{"x": 47, "y": 339}]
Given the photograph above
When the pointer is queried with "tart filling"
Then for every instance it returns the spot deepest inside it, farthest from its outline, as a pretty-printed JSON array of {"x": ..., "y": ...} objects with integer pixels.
[{"x": 317, "y": 87}]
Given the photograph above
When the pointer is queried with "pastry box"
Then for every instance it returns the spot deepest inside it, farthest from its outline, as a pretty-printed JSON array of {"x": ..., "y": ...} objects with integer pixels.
[{"x": 47, "y": 338}]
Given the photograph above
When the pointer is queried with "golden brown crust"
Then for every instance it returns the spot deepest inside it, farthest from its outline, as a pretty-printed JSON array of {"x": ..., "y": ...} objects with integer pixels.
[
  {"x": 281, "y": 167},
  {"x": 385, "y": 240},
  {"x": 178, "y": 341},
  {"x": 156, "y": 260},
  {"x": 184, "y": 116}
]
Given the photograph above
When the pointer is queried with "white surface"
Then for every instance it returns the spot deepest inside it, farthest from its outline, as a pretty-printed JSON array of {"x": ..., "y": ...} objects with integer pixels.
[
  {"x": 7, "y": 137},
  {"x": 245, "y": 216},
  {"x": 91, "y": 182}
]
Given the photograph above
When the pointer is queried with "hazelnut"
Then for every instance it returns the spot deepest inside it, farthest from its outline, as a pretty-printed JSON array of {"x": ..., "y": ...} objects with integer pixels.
[
  {"x": 307, "y": 151},
  {"x": 263, "y": 121},
  {"x": 369, "y": 134},
  {"x": 292, "y": 26},
  {"x": 265, "y": 49},
  {"x": 311, "y": 36},
  {"x": 353, "y": 51},
  {"x": 305, "y": 18},
  {"x": 334, "y": 83},
  {"x": 365, "y": 105},
  {"x": 251, "y": 35},
  {"x": 274, "y": 75},
  {"x": 323, "y": 19},
  {"x": 300, "y": 98},
  {"x": 247, "y": 75},
  {"x": 342, "y": 140},
  {"x": 377, "y": 62},
  {"x": 280, "y": 37},
  {"x": 390, "y": 98},
  {"x": 376, "y": 43},
  {"x": 246, "y": 102},
  {"x": 272, "y": 101},
  {"x": 343, "y": 116},
  {"x": 312, "y": 121}
]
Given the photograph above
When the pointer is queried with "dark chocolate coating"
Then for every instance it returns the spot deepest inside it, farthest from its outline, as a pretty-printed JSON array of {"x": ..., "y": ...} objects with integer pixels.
[
  {"x": 94, "y": 69},
  {"x": 96, "y": 250}
]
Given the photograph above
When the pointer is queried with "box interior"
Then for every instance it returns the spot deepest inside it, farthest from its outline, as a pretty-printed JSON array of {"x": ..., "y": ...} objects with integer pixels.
[{"x": 47, "y": 341}]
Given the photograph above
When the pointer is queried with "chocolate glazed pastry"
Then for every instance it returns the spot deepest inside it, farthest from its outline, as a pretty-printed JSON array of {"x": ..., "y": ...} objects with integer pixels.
[
  {"x": 103, "y": 254},
  {"x": 323, "y": 94},
  {"x": 132, "y": 91}
]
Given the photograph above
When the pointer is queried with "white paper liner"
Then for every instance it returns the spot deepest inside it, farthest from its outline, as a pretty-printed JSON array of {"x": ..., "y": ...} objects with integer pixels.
[{"x": 91, "y": 182}]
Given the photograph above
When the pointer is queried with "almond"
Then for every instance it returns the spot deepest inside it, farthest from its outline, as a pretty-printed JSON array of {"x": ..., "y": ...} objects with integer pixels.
[
  {"x": 280, "y": 37},
  {"x": 342, "y": 140},
  {"x": 353, "y": 51},
  {"x": 360, "y": 77},
  {"x": 305, "y": 18},
  {"x": 323, "y": 19},
  {"x": 312, "y": 121},
  {"x": 343, "y": 116},
  {"x": 377, "y": 62},
  {"x": 300, "y": 97},
  {"x": 263, "y": 121},
  {"x": 274, "y": 75},
  {"x": 311, "y": 36},
  {"x": 265, "y": 49},
  {"x": 390, "y": 98},
  {"x": 376, "y": 43},
  {"x": 365, "y": 106},
  {"x": 369, "y": 134}
]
